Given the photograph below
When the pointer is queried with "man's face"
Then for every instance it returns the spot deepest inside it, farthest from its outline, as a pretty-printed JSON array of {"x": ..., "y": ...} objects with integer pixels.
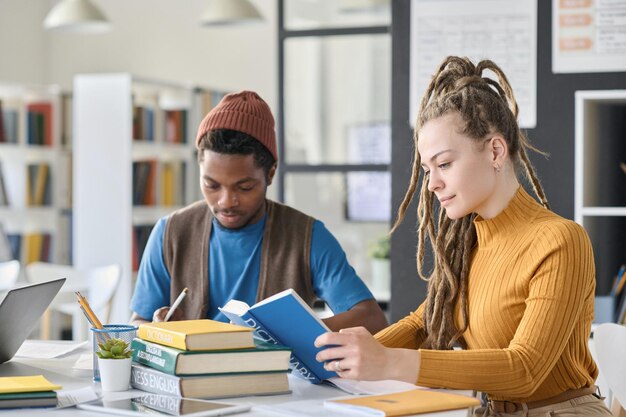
[{"x": 234, "y": 188}]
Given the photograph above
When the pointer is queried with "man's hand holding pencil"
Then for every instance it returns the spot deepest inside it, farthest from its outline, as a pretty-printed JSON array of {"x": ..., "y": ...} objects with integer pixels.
[{"x": 171, "y": 313}]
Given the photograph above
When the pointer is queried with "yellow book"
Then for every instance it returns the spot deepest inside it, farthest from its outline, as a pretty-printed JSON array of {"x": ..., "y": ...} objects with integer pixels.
[
  {"x": 34, "y": 244},
  {"x": 41, "y": 184},
  {"x": 36, "y": 383},
  {"x": 197, "y": 334},
  {"x": 403, "y": 403}
]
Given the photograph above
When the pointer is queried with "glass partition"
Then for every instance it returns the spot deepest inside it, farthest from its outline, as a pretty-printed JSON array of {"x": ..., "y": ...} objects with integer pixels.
[{"x": 337, "y": 93}]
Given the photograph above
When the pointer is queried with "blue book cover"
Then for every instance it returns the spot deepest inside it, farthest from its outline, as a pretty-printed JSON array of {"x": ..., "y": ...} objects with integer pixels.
[{"x": 285, "y": 319}]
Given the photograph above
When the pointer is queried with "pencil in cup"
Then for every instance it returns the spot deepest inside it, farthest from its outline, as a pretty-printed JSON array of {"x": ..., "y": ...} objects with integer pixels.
[
  {"x": 124, "y": 332},
  {"x": 89, "y": 314}
]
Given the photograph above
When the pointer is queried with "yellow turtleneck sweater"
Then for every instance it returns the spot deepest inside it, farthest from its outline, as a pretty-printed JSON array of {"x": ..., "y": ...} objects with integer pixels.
[{"x": 531, "y": 292}]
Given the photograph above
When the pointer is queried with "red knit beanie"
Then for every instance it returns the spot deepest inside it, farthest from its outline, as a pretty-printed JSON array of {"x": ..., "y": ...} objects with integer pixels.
[{"x": 244, "y": 112}]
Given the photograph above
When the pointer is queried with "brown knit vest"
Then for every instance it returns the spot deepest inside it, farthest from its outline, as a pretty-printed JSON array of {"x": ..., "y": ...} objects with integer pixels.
[{"x": 285, "y": 255}]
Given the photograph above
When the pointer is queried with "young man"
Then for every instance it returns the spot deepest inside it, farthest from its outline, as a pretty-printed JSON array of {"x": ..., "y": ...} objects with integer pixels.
[{"x": 236, "y": 244}]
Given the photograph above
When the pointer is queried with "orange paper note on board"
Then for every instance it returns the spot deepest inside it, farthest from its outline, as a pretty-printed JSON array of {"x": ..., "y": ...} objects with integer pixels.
[{"x": 403, "y": 403}]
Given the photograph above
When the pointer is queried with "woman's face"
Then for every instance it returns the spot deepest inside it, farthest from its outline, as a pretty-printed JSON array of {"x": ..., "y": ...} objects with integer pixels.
[{"x": 460, "y": 171}]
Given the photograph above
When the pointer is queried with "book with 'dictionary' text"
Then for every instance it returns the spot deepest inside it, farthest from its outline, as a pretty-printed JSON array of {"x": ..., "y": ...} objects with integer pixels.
[{"x": 197, "y": 334}]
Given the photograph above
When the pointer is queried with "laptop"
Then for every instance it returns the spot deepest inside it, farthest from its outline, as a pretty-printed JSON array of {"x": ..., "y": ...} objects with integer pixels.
[{"x": 19, "y": 312}]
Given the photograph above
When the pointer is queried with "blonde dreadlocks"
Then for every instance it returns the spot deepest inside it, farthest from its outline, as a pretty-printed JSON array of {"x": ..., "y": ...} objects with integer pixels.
[{"x": 485, "y": 106}]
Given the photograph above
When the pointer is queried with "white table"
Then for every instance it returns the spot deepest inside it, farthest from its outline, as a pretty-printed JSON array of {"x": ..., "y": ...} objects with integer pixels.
[{"x": 59, "y": 371}]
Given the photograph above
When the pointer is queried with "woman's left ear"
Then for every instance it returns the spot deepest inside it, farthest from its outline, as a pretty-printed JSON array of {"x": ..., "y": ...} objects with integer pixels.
[{"x": 498, "y": 151}]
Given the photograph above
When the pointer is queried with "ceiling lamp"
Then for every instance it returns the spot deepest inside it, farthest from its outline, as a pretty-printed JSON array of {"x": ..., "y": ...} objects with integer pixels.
[
  {"x": 76, "y": 16},
  {"x": 228, "y": 12}
]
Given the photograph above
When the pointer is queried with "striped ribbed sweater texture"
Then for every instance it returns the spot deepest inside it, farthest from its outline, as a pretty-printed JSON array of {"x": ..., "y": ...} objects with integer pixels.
[{"x": 530, "y": 296}]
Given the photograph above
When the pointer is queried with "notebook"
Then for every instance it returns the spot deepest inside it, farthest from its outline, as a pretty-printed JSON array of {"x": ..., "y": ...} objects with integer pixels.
[{"x": 19, "y": 312}]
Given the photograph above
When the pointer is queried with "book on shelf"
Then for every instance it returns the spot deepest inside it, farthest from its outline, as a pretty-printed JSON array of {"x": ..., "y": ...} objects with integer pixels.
[
  {"x": 402, "y": 403},
  {"x": 285, "y": 319},
  {"x": 140, "y": 236},
  {"x": 144, "y": 183},
  {"x": 38, "y": 185},
  {"x": 36, "y": 247},
  {"x": 41, "y": 194},
  {"x": 143, "y": 123},
  {"x": 209, "y": 386},
  {"x": 6, "y": 254},
  {"x": 197, "y": 334},
  {"x": 264, "y": 357},
  {"x": 9, "y": 118},
  {"x": 39, "y": 123},
  {"x": 618, "y": 294},
  {"x": 176, "y": 126},
  {"x": 172, "y": 183},
  {"x": 15, "y": 242},
  {"x": 4, "y": 194}
]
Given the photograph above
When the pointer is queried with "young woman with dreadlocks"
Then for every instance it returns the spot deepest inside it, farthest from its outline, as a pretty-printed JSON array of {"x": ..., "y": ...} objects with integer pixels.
[{"x": 512, "y": 284}]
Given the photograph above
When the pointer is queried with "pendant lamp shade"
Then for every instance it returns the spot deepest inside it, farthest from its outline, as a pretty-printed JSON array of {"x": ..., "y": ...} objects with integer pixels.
[
  {"x": 228, "y": 12},
  {"x": 76, "y": 16}
]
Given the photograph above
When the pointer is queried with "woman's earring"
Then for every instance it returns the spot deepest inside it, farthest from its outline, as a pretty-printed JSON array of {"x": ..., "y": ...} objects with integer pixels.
[{"x": 497, "y": 167}]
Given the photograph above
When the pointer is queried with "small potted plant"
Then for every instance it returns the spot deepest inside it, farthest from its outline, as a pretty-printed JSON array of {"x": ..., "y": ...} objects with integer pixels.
[
  {"x": 114, "y": 361},
  {"x": 378, "y": 252}
]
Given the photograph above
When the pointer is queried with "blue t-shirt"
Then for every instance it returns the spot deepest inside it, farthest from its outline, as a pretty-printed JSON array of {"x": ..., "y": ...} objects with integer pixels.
[{"x": 235, "y": 260}]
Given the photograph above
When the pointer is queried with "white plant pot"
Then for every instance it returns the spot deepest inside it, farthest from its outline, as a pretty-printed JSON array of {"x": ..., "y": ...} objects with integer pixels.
[
  {"x": 114, "y": 374},
  {"x": 381, "y": 275}
]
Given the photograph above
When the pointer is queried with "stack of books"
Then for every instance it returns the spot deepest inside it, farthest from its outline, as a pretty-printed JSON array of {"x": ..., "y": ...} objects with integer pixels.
[
  {"x": 27, "y": 392},
  {"x": 207, "y": 359}
]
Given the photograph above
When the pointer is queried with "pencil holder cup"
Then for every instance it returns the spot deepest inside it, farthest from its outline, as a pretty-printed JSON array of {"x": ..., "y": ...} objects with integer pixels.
[{"x": 125, "y": 332}]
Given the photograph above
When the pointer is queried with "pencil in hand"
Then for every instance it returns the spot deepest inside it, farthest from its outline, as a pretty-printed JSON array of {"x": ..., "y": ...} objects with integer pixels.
[{"x": 177, "y": 302}]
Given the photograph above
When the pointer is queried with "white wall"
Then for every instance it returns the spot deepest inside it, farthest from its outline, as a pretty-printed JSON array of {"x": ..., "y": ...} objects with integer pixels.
[
  {"x": 22, "y": 41},
  {"x": 159, "y": 39}
]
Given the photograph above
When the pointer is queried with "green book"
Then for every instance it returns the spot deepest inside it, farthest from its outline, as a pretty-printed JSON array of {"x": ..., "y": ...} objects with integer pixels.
[
  {"x": 265, "y": 357},
  {"x": 20, "y": 395},
  {"x": 28, "y": 399}
]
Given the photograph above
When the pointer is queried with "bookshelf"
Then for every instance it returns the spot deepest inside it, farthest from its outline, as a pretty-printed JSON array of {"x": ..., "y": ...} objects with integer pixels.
[
  {"x": 34, "y": 176},
  {"x": 134, "y": 162},
  {"x": 600, "y": 182}
]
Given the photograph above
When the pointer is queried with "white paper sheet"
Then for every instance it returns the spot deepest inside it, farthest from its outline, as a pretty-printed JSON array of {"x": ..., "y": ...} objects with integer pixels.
[
  {"x": 352, "y": 386},
  {"x": 588, "y": 36},
  {"x": 84, "y": 362},
  {"x": 504, "y": 31},
  {"x": 39, "y": 349},
  {"x": 69, "y": 398}
]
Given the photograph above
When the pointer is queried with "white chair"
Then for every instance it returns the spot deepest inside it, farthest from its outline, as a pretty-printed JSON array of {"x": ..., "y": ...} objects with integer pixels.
[
  {"x": 9, "y": 272},
  {"x": 610, "y": 344},
  {"x": 97, "y": 284},
  {"x": 102, "y": 283}
]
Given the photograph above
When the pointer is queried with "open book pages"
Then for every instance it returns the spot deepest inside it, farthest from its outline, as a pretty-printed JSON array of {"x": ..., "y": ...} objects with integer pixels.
[{"x": 356, "y": 387}]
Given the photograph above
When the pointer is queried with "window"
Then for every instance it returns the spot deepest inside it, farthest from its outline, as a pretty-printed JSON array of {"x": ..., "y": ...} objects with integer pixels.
[{"x": 334, "y": 118}]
